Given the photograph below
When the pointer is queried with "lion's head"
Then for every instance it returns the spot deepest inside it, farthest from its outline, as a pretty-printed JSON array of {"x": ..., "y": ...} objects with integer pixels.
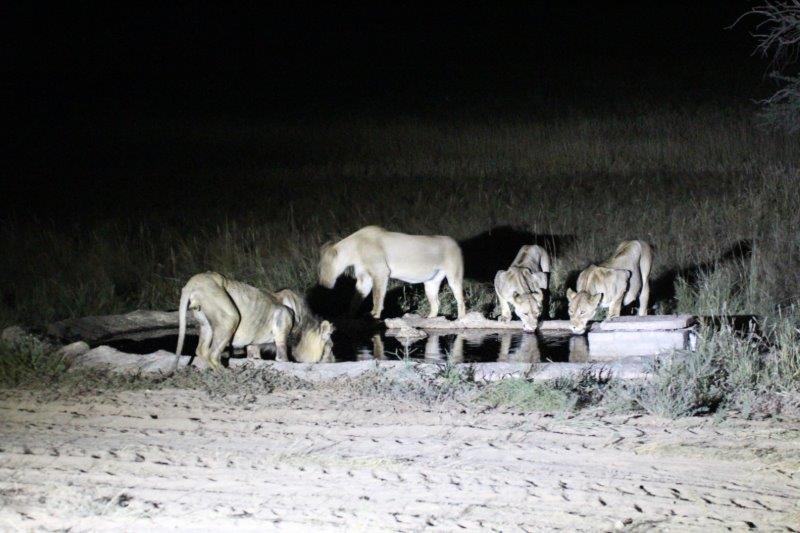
[
  {"x": 582, "y": 307},
  {"x": 528, "y": 307},
  {"x": 330, "y": 265},
  {"x": 315, "y": 344}
]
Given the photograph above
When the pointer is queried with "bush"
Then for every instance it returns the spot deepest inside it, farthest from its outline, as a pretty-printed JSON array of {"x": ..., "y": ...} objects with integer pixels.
[
  {"x": 27, "y": 361},
  {"x": 778, "y": 35},
  {"x": 754, "y": 373}
]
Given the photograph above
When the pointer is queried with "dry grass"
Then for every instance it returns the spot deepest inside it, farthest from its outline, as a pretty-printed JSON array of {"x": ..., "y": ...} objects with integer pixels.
[
  {"x": 716, "y": 196},
  {"x": 256, "y": 200}
]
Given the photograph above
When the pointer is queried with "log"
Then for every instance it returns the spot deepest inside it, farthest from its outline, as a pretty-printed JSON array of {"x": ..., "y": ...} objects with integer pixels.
[{"x": 136, "y": 325}]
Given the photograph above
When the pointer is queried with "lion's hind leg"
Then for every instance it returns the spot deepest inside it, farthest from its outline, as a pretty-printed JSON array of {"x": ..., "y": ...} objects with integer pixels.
[
  {"x": 457, "y": 286},
  {"x": 205, "y": 336},
  {"x": 281, "y": 329},
  {"x": 223, "y": 317},
  {"x": 454, "y": 271},
  {"x": 432, "y": 293},
  {"x": 645, "y": 264}
]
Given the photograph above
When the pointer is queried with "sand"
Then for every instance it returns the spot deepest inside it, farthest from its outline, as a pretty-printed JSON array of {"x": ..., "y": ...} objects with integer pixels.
[{"x": 312, "y": 460}]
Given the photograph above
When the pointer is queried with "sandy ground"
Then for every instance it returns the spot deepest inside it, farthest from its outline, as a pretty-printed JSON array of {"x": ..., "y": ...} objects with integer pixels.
[{"x": 300, "y": 460}]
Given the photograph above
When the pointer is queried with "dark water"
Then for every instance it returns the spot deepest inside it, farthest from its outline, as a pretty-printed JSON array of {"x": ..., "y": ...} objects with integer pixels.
[
  {"x": 472, "y": 347},
  {"x": 447, "y": 346}
]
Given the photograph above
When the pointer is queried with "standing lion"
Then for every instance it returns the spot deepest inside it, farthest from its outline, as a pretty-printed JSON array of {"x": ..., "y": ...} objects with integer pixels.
[{"x": 377, "y": 255}]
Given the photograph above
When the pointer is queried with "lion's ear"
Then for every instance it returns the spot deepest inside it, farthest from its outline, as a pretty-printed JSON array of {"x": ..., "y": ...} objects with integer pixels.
[
  {"x": 327, "y": 248},
  {"x": 326, "y": 329},
  {"x": 571, "y": 294},
  {"x": 538, "y": 296},
  {"x": 596, "y": 299}
]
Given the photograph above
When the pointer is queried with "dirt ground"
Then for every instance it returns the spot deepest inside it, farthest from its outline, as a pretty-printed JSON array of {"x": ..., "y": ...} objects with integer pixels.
[{"x": 305, "y": 460}]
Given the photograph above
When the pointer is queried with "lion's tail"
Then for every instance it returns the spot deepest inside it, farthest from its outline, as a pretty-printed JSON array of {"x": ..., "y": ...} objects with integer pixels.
[{"x": 181, "y": 324}]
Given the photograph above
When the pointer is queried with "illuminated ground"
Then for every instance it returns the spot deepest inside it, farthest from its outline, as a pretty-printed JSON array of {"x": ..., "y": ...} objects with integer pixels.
[{"x": 302, "y": 459}]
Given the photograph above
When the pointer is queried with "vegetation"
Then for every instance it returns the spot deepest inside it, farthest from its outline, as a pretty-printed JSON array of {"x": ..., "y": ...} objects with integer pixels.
[
  {"x": 713, "y": 193},
  {"x": 778, "y": 36},
  {"x": 716, "y": 195}
]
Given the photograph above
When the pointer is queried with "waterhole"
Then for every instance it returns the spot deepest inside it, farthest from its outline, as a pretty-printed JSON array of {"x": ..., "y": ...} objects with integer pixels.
[{"x": 460, "y": 346}]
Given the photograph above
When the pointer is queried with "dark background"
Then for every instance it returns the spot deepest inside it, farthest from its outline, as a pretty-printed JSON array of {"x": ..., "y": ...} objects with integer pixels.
[
  {"x": 71, "y": 70},
  {"x": 132, "y": 55}
]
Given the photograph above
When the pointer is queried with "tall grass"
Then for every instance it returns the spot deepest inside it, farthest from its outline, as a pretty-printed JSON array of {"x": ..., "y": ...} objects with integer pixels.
[
  {"x": 716, "y": 196},
  {"x": 758, "y": 373},
  {"x": 255, "y": 201}
]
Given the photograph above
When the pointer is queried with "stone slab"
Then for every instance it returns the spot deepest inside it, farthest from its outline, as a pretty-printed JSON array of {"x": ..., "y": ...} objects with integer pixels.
[
  {"x": 163, "y": 362},
  {"x": 615, "y": 344},
  {"x": 475, "y": 320}
]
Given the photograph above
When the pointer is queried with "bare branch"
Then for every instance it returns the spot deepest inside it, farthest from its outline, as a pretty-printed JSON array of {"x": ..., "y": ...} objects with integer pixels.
[{"x": 778, "y": 37}]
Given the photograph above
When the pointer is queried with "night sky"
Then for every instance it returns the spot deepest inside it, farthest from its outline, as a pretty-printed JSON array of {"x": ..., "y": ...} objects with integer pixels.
[
  {"x": 310, "y": 51},
  {"x": 65, "y": 67}
]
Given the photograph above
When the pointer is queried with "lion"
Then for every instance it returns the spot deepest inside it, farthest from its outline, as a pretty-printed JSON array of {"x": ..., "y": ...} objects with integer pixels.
[
  {"x": 233, "y": 313},
  {"x": 314, "y": 336},
  {"x": 522, "y": 286},
  {"x": 613, "y": 283},
  {"x": 377, "y": 255}
]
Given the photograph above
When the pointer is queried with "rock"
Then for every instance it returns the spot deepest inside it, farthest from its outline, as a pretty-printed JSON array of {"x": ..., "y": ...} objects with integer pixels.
[
  {"x": 71, "y": 351},
  {"x": 407, "y": 333},
  {"x": 133, "y": 325},
  {"x": 106, "y": 357}
]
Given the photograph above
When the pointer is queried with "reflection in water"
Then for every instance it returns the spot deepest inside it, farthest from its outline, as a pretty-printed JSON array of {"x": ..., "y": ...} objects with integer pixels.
[
  {"x": 479, "y": 346},
  {"x": 578, "y": 349},
  {"x": 432, "y": 351},
  {"x": 527, "y": 350},
  {"x": 470, "y": 346}
]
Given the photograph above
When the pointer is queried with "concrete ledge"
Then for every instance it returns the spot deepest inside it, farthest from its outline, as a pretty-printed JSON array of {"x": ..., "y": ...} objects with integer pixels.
[
  {"x": 143, "y": 324},
  {"x": 645, "y": 323},
  {"x": 163, "y": 362},
  {"x": 475, "y": 320},
  {"x": 615, "y": 344}
]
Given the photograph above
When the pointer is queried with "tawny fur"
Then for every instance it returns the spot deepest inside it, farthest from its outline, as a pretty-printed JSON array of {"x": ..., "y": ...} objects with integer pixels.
[
  {"x": 618, "y": 281},
  {"x": 235, "y": 314},
  {"x": 522, "y": 286},
  {"x": 377, "y": 255},
  {"x": 314, "y": 344}
]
